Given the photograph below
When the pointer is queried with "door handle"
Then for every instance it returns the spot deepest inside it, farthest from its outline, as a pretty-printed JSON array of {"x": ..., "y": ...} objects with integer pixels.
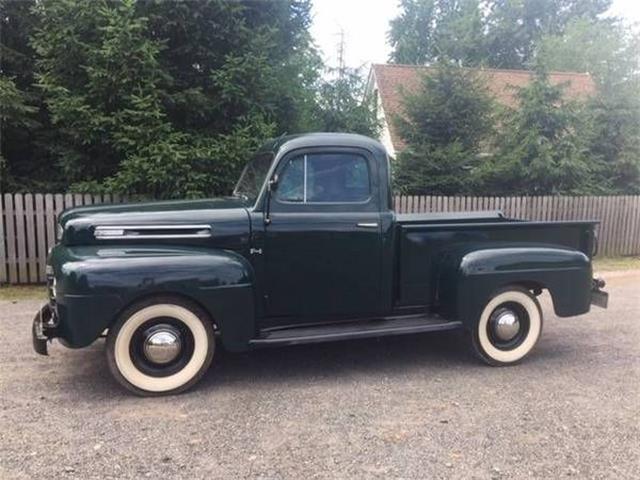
[{"x": 367, "y": 225}]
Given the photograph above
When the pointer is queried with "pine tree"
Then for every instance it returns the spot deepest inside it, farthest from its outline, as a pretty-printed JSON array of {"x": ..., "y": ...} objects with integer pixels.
[
  {"x": 170, "y": 98},
  {"x": 342, "y": 103},
  {"x": 429, "y": 30},
  {"x": 444, "y": 126},
  {"x": 539, "y": 148},
  {"x": 493, "y": 33},
  {"x": 24, "y": 127},
  {"x": 608, "y": 50}
]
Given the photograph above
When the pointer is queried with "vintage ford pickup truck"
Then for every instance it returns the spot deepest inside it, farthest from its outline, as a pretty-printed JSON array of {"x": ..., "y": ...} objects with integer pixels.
[{"x": 307, "y": 249}]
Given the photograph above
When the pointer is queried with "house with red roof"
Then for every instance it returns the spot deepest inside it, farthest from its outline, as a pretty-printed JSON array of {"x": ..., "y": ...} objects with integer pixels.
[{"x": 388, "y": 82}]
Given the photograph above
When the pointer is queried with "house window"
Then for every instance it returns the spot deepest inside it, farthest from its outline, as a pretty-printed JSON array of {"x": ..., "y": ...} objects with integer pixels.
[{"x": 325, "y": 178}]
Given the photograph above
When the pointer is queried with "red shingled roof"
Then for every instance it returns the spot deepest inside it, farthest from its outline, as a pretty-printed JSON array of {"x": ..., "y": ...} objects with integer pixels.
[{"x": 392, "y": 79}]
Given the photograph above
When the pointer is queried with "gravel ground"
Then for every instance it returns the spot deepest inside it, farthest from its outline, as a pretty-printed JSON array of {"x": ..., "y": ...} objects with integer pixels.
[{"x": 403, "y": 407}]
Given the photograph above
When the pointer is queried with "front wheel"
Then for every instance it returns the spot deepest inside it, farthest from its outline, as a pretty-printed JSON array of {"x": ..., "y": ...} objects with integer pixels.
[
  {"x": 509, "y": 327},
  {"x": 161, "y": 345}
]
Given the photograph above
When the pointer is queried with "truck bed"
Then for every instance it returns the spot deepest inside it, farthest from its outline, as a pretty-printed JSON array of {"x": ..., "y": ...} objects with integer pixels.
[{"x": 424, "y": 239}]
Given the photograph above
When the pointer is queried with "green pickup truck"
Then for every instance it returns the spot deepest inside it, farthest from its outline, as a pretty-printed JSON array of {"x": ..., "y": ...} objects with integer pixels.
[{"x": 307, "y": 249}]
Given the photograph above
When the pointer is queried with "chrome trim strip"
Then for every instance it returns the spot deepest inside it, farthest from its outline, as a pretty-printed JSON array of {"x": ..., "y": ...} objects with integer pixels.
[
  {"x": 304, "y": 196},
  {"x": 122, "y": 232}
]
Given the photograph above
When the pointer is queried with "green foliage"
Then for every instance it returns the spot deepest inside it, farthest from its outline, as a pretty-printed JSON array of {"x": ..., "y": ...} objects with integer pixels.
[
  {"x": 169, "y": 98},
  {"x": 513, "y": 28},
  {"x": 496, "y": 33},
  {"x": 411, "y": 33},
  {"x": 604, "y": 48},
  {"x": 458, "y": 29},
  {"x": 16, "y": 24},
  {"x": 436, "y": 170},
  {"x": 343, "y": 107},
  {"x": 540, "y": 152},
  {"x": 612, "y": 138},
  {"x": 428, "y": 30},
  {"x": 94, "y": 66},
  {"x": 13, "y": 104},
  {"x": 444, "y": 126},
  {"x": 235, "y": 59},
  {"x": 184, "y": 167},
  {"x": 15, "y": 113},
  {"x": 611, "y": 120},
  {"x": 546, "y": 145},
  {"x": 24, "y": 127},
  {"x": 161, "y": 98}
]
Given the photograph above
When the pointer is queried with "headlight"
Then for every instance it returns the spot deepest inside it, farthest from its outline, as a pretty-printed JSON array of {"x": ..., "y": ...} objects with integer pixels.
[{"x": 59, "y": 232}]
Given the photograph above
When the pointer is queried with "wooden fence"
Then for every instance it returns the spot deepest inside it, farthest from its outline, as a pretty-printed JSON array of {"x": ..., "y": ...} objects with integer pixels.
[
  {"x": 28, "y": 222},
  {"x": 619, "y": 216},
  {"x": 28, "y": 230}
]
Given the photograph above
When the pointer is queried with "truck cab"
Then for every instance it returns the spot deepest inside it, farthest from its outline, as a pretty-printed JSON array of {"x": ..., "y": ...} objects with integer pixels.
[
  {"x": 308, "y": 248},
  {"x": 321, "y": 226}
]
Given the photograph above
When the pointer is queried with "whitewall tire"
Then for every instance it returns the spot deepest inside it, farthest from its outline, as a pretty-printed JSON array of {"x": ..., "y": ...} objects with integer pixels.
[
  {"x": 508, "y": 328},
  {"x": 160, "y": 346}
]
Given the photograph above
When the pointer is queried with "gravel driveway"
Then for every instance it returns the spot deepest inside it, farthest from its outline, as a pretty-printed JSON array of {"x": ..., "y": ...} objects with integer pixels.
[{"x": 402, "y": 407}]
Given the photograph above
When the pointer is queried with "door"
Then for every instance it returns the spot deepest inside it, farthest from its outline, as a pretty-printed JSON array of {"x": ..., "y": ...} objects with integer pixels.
[{"x": 323, "y": 243}]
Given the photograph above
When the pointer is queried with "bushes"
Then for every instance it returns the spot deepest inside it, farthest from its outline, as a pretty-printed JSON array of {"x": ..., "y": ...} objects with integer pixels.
[
  {"x": 547, "y": 145},
  {"x": 444, "y": 126},
  {"x": 459, "y": 142},
  {"x": 161, "y": 98}
]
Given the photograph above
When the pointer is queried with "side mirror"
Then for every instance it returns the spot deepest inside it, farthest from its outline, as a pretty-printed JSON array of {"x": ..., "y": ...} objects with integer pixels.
[{"x": 272, "y": 186}]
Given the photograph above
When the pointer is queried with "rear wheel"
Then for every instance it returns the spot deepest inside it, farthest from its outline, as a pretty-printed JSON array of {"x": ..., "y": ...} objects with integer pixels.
[
  {"x": 509, "y": 327},
  {"x": 161, "y": 345}
]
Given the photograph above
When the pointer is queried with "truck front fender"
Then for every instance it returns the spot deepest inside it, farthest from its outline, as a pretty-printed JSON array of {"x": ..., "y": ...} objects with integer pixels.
[
  {"x": 94, "y": 284},
  {"x": 469, "y": 277}
]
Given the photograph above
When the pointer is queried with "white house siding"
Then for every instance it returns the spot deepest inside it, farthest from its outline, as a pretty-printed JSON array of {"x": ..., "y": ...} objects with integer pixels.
[{"x": 384, "y": 136}]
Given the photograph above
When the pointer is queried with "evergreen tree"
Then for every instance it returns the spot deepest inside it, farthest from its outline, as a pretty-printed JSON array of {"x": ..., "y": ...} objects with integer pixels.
[
  {"x": 411, "y": 33},
  {"x": 539, "y": 150},
  {"x": 343, "y": 106},
  {"x": 612, "y": 142},
  {"x": 494, "y": 33},
  {"x": 606, "y": 49},
  {"x": 428, "y": 30},
  {"x": 232, "y": 59},
  {"x": 170, "y": 98},
  {"x": 24, "y": 127},
  {"x": 458, "y": 35},
  {"x": 444, "y": 126},
  {"x": 611, "y": 119},
  {"x": 550, "y": 145},
  {"x": 513, "y": 29}
]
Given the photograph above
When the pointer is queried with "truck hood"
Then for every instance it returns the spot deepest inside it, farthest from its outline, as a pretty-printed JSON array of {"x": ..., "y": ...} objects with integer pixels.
[{"x": 220, "y": 222}]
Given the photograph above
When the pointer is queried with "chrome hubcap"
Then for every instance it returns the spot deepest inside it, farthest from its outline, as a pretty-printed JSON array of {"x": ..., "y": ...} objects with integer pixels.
[
  {"x": 506, "y": 325},
  {"x": 162, "y": 345}
]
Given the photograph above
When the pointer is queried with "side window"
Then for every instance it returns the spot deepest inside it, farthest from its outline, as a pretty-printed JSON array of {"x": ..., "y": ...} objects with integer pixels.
[
  {"x": 291, "y": 184},
  {"x": 325, "y": 178}
]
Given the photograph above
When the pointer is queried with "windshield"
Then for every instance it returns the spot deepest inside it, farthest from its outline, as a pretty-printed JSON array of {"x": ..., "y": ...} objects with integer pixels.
[{"x": 253, "y": 177}]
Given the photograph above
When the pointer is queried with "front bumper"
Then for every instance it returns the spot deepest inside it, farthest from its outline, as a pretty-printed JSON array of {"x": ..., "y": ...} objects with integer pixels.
[
  {"x": 43, "y": 329},
  {"x": 599, "y": 297}
]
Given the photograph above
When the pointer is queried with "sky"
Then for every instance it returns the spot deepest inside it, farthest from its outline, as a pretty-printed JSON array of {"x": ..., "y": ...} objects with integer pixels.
[{"x": 365, "y": 24}]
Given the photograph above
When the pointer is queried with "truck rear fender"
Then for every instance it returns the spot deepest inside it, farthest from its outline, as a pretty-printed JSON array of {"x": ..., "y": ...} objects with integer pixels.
[
  {"x": 468, "y": 278},
  {"x": 96, "y": 284}
]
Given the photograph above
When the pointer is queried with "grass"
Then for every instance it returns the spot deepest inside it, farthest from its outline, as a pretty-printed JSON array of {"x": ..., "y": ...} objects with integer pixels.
[
  {"x": 23, "y": 292},
  {"x": 616, "y": 263},
  {"x": 35, "y": 292}
]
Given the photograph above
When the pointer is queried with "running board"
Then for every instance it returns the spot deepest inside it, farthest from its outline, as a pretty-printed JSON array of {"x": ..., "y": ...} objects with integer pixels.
[{"x": 352, "y": 330}]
